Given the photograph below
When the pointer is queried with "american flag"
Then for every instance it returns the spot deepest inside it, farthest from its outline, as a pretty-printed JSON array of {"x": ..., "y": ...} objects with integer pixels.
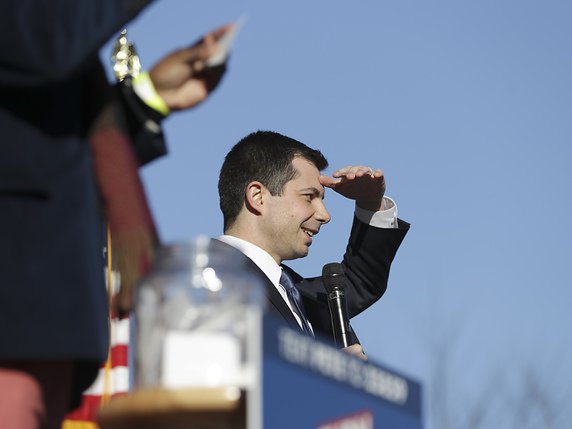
[{"x": 113, "y": 377}]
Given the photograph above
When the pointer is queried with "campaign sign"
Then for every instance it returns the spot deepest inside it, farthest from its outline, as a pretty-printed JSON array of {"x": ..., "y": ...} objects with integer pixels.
[{"x": 310, "y": 384}]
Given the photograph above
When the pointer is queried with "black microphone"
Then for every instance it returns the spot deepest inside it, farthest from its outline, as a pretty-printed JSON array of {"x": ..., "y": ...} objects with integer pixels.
[{"x": 335, "y": 283}]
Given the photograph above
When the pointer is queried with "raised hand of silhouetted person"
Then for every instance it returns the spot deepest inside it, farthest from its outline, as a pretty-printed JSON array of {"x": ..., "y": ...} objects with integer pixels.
[{"x": 184, "y": 78}]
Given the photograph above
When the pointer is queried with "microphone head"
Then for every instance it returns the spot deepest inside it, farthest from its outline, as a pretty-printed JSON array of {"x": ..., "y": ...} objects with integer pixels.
[{"x": 334, "y": 277}]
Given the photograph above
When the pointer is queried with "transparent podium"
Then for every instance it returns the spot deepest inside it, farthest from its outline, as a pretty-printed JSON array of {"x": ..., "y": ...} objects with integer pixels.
[{"x": 207, "y": 356}]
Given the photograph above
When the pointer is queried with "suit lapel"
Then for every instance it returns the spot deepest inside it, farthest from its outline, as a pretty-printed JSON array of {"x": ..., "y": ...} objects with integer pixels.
[{"x": 275, "y": 303}]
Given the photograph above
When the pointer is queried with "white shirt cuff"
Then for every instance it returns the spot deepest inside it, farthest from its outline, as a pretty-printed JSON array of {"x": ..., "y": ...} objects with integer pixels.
[{"x": 384, "y": 218}]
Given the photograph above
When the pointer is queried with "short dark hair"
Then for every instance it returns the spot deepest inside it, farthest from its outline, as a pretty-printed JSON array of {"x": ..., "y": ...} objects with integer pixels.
[{"x": 264, "y": 156}]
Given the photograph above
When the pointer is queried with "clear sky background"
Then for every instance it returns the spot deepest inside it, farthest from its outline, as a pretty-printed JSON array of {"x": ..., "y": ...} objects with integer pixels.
[{"x": 467, "y": 107}]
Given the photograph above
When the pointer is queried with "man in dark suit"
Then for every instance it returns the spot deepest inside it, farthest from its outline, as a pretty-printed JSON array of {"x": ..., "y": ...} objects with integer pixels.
[
  {"x": 271, "y": 196},
  {"x": 59, "y": 117}
]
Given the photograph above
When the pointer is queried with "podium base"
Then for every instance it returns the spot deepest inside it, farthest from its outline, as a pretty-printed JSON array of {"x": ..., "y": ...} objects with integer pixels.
[{"x": 197, "y": 408}]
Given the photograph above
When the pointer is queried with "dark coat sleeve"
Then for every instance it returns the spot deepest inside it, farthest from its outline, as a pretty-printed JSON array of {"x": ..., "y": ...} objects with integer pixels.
[
  {"x": 367, "y": 262},
  {"x": 143, "y": 123}
]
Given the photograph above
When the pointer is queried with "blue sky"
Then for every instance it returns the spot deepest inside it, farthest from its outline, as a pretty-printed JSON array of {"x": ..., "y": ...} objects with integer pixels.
[{"x": 467, "y": 108}]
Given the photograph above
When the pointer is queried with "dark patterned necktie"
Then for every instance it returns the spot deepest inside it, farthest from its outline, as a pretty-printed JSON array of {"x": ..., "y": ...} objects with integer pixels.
[{"x": 295, "y": 301}]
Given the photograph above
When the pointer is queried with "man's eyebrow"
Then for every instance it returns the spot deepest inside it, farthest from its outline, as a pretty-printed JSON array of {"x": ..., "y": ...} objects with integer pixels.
[{"x": 315, "y": 191}]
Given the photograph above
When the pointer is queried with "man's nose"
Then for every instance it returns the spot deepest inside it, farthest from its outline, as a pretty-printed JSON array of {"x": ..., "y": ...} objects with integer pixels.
[{"x": 322, "y": 213}]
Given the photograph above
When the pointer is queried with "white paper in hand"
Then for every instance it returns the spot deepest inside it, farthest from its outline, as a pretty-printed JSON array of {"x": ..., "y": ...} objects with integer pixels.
[{"x": 224, "y": 44}]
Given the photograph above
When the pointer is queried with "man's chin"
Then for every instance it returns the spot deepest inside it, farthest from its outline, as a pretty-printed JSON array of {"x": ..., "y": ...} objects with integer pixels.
[{"x": 302, "y": 253}]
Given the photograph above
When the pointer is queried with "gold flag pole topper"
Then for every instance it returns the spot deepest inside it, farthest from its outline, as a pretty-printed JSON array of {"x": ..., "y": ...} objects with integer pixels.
[
  {"x": 124, "y": 58},
  {"x": 126, "y": 63}
]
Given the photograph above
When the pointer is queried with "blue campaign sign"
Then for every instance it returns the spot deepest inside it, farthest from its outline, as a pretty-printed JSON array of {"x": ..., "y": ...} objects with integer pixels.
[{"x": 310, "y": 384}]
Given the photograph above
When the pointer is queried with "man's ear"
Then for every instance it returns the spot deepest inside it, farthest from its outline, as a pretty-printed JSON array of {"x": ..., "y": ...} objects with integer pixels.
[{"x": 254, "y": 197}]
